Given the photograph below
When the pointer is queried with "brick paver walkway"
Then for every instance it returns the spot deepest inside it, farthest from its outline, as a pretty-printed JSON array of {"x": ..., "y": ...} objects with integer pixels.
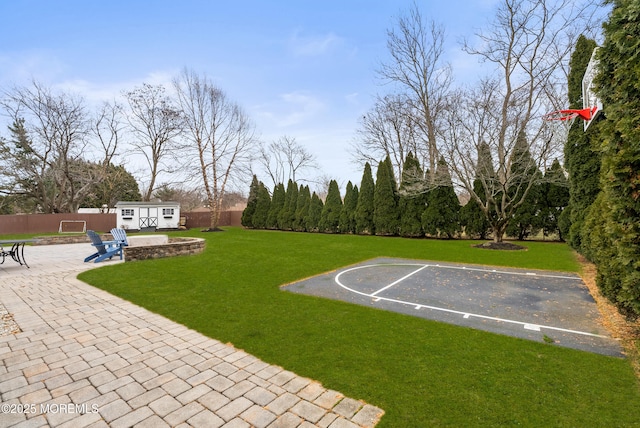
[{"x": 87, "y": 358}]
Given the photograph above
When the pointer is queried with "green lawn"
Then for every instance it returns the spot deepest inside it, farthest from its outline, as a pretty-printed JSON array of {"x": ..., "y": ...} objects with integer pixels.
[{"x": 422, "y": 373}]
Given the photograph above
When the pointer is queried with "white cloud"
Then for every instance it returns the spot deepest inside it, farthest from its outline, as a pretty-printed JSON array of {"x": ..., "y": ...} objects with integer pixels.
[
  {"x": 24, "y": 67},
  {"x": 95, "y": 93},
  {"x": 313, "y": 45},
  {"x": 289, "y": 110}
]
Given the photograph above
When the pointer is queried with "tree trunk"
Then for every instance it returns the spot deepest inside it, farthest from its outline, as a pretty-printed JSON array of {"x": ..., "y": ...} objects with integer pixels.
[{"x": 498, "y": 231}]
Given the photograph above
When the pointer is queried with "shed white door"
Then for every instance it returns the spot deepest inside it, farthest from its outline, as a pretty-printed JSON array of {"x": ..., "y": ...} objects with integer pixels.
[{"x": 148, "y": 217}]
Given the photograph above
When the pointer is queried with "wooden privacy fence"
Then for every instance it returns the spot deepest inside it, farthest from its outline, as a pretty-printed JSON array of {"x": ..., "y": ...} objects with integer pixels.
[{"x": 50, "y": 223}]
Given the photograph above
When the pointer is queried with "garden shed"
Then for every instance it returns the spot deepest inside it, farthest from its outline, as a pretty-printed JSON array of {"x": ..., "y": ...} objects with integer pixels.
[{"x": 148, "y": 215}]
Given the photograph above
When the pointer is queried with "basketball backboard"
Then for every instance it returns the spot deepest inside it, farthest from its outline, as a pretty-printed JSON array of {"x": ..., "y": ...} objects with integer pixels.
[{"x": 589, "y": 98}]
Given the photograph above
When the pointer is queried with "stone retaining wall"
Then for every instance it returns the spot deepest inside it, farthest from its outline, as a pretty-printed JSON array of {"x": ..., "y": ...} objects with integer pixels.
[
  {"x": 175, "y": 247},
  {"x": 68, "y": 239}
]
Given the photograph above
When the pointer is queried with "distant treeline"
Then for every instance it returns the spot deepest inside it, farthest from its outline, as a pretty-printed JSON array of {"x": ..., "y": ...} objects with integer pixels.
[{"x": 384, "y": 208}]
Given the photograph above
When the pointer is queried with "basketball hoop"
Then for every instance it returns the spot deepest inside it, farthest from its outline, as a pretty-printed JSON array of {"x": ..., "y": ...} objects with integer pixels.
[
  {"x": 559, "y": 122},
  {"x": 571, "y": 114}
]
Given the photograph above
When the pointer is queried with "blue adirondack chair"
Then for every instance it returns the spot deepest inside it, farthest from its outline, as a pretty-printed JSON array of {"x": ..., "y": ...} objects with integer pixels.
[
  {"x": 106, "y": 249},
  {"x": 120, "y": 235}
]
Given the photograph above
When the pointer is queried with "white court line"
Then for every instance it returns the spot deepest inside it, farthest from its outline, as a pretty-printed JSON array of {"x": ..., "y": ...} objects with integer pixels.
[
  {"x": 466, "y": 315},
  {"x": 400, "y": 280}
]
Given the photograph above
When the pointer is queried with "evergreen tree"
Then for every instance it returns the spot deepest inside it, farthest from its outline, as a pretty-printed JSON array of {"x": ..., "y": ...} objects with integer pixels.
[
  {"x": 247, "y": 215},
  {"x": 277, "y": 202},
  {"x": 618, "y": 87},
  {"x": 315, "y": 211},
  {"x": 330, "y": 218},
  {"x": 364, "y": 209},
  {"x": 475, "y": 215},
  {"x": 472, "y": 217},
  {"x": 262, "y": 207},
  {"x": 525, "y": 220},
  {"x": 440, "y": 218},
  {"x": 347, "y": 215},
  {"x": 288, "y": 211},
  {"x": 117, "y": 184},
  {"x": 554, "y": 198},
  {"x": 302, "y": 209},
  {"x": 581, "y": 156},
  {"x": 411, "y": 206},
  {"x": 385, "y": 204}
]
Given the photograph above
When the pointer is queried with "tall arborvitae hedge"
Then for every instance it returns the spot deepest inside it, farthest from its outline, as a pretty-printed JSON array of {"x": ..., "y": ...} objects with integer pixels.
[
  {"x": 262, "y": 207},
  {"x": 441, "y": 217},
  {"x": 247, "y": 215},
  {"x": 619, "y": 87},
  {"x": 581, "y": 155},
  {"x": 364, "y": 209},
  {"x": 348, "y": 214},
  {"x": 472, "y": 218},
  {"x": 288, "y": 212},
  {"x": 526, "y": 179},
  {"x": 411, "y": 205},
  {"x": 312, "y": 220},
  {"x": 330, "y": 217},
  {"x": 385, "y": 203},
  {"x": 277, "y": 202},
  {"x": 302, "y": 209},
  {"x": 554, "y": 197}
]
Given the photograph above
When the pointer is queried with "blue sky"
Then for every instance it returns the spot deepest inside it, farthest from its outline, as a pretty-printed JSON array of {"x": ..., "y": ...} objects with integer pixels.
[{"x": 305, "y": 69}]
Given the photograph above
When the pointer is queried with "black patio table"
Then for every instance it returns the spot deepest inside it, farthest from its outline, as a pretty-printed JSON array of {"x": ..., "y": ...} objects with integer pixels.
[{"x": 17, "y": 250}]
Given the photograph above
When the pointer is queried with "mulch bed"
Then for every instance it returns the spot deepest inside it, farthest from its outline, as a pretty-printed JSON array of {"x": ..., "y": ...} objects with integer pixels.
[{"x": 500, "y": 246}]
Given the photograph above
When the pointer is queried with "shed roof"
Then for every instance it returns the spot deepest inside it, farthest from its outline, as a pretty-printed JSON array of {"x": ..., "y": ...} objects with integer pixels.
[{"x": 146, "y": 204}]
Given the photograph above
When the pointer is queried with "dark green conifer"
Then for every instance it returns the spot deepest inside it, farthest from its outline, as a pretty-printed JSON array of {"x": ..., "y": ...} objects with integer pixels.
[
  {"x": 288, "y": 211},
  {"x": 262, "y": 207},
  {"x": 525, "y": 182},
  {"x": 277, "y": 203},
  {"x": 330, "y": 217},
  {"x": 581, "y": 153},
  {"x": 554, "y": 197},
  {"x": 385, "y": 203},
  {"x": 617, "y": 86},
  {"x": 247, "y": 215},
  {"x": 411, "y": 204},
  {"x": 348, "y": 213},
  {"x": 302, "y": 209},
  {"x": 364, "y": 208},
  {"x": 440, "y": 218},
  {"x": 315, "y": 211},
  {"x": 472, "y": 218}
]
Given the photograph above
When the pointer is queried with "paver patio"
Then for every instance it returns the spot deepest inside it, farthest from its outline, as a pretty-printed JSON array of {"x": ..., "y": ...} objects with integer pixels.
[{"x": 87, "y": 358}]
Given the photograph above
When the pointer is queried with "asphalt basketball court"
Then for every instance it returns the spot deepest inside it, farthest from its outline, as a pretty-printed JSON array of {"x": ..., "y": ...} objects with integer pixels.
[{"x": 543, "y": 306}]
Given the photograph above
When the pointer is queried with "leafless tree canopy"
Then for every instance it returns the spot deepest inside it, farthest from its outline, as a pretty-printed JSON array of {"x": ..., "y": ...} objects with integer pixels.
[
  {"x": 108, "y": 128},
  {"x": 417, "y": 69},
  {"x": 285, "y": 159},
  {"x": 50, "y": 132},
  {"x": 220, "y": 137},
  {"x": 526, "y": 48},
  {"x": 390, "y": 129},
  {"x": 156, "y": 123},
  {"x": 528, "y": 44}
]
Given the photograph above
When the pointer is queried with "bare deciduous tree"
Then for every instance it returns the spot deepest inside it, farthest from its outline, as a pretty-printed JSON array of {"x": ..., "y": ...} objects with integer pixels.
[
  {"x": 108, "y": 128},
  {"x": 156, "y": 123},
  {"x": 284, "y": 159},
  {"x": 527, "y": 45},
  {"x": 389, "y": 129},
  {"x": 417, "y": 67},
  {"x": 220, "y": 135},
  {"x": 45, "y": 158}
]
